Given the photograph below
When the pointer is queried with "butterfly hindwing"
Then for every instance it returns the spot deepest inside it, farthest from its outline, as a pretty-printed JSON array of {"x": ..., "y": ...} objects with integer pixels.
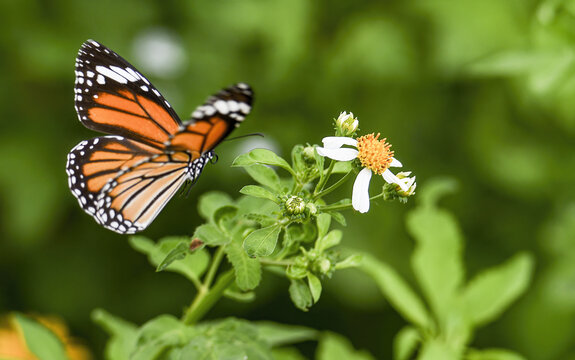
[
  {"x": 124, "y": 184},
  {"x": 111, "y": 96}
]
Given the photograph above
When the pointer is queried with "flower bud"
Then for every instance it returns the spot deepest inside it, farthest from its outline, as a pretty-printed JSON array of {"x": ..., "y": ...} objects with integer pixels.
[
  {"x": 295, "y": 205},
  {"x": 346, "y": 124}
]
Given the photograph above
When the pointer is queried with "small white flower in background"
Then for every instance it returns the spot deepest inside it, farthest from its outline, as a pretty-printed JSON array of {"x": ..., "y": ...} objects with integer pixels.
[
  {"x": 375, "y": 156},
  {"x": 346, "y": 123}
]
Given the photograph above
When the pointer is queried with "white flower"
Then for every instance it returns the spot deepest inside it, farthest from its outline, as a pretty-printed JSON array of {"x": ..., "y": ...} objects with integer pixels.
[
  {"x": 409, "y": 183},
  {"x": 375, "y": 156}
]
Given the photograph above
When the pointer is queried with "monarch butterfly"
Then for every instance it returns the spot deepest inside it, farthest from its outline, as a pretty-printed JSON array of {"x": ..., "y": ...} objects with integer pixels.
[{"x": 124, "y": 180}]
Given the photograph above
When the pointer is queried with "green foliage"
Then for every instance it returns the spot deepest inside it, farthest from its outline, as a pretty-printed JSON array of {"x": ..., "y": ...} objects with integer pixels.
[
  {"x": 333, "y": 346},
  {"x": 456, "y": 309},
  {"x": 41, "y": 341}
]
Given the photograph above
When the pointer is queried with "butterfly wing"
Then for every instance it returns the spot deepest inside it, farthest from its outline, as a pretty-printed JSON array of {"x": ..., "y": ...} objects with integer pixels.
[
  {"x": 112, "y": 97},
  {"x": 124, "y": 184},
  {"x": 214, "y": 120}
]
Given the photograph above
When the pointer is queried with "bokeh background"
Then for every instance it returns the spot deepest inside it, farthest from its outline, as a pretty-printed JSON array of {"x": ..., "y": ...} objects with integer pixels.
[{"x": 480, "y": 90}]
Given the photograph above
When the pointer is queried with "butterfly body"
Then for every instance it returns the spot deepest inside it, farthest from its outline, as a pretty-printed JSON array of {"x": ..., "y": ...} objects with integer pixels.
[{"x": 125, "y": 179}]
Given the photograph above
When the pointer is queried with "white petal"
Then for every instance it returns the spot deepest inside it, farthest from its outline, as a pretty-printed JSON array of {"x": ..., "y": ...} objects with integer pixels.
[
  {"x": 392, "y": 179},
  {"x": 360, "y": 195},
  {"x": 395, "y": 163},
  {"x": 335, "y": 142},
  {"x": 342, "y": 154}
]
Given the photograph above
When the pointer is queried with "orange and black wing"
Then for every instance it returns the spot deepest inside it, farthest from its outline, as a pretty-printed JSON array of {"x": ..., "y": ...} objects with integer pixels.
[
  {"x": 124, "y": 184},
  {"x": 111, "y": 96},
  {"x": 214, "y": 120}
]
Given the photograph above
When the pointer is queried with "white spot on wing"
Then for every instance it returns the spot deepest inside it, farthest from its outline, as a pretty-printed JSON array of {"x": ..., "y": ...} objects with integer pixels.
[{"x": 111, "y": 74}]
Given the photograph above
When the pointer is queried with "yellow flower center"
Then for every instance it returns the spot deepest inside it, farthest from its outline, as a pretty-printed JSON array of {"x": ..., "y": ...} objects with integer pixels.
[{"x": 374, "y": 154}]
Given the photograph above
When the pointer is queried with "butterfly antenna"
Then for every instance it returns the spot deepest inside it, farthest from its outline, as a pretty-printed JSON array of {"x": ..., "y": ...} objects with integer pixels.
[{"x": 243, "y": 136}]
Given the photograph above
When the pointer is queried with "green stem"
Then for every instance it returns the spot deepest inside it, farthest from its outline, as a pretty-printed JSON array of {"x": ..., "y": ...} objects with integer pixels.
[
  {"x": 333, "y": 187},
  {"x": 206, "y": 299},
  {"x": 344, "y": 206},
  {"x": 322, "y": 181},
  {"x": 219, "y": 255},
  {"x": 264, "y": 261}
]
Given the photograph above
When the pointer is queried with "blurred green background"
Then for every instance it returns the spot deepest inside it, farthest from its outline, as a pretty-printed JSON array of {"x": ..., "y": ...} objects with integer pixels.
[{"x": 481, "y": 90}]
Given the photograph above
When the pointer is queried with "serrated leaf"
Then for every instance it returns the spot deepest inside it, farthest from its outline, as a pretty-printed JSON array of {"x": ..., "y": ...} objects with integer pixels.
[
  {"x": 333, "y": 346},
  {"x": 397, "y": 292},
  {"x": 208, "y": 203},
  {"x": 264, "y": 175},
  {"x": 211, "y": 235},
  {"x": 333, "y": 238},
  {"x": 262, "y": 242},
  {"x": 300, "y": 294},
  {"x": 229, "y": 339},
  {"x": 160, "y": 334},
  {"x": 40, "y": 340},
  {"x": 314, "y": 286},
  {"x": 405, "y": 343},
  {"x": 276, "y": 334},
  {"x": 494, "y": 354},
  {"x": 259, "y": 192},
  {"x": 491, "y": 292},
  {"x": 323, "y": 223},
  {"x": 247, "y": 270},
  {"x": 123, "y": 334}
]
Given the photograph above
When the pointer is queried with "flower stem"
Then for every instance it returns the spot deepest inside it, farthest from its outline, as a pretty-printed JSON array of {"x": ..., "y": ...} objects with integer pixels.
[
  {"x": 334, "y": 207},
  {"x": 206, "y": 299},
  {"x": 264, "y": 261},
  {"x": 333, "y": 187},
  {"x": 325, "y": 178}
]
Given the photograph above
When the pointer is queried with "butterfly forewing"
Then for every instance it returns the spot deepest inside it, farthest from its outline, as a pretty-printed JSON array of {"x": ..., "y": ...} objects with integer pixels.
[
  {"x": 125, "y": 180},
  {"x": 113, "y": 97}
]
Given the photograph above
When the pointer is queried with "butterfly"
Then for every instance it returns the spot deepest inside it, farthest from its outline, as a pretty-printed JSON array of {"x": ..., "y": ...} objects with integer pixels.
[{"x": 123, "y": 180}]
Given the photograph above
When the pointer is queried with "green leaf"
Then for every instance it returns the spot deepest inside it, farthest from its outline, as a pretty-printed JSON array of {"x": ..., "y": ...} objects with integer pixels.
[
  {"x": 192, "y": 266},
  {"x": 314, "y": 286},
  {"x": 405, "y": 343},
  {"x": 323, "y": 223},
  {"x": 262, "y": 156},
  {"x": 123, "y": 334},
  {"x": 276, "y": 334},
  {"x": 229, "y": 339},
  {"x": 211, "y": 235},
  {"x": 397, "y": 292},
  {"x": 247, "y": 270},
  {"x": 259, "y": 192},
  {"x": 333, "y": 238},
  {"x": 159, "y": 335},
  {"x": 300, "y": 294},
  {"x": 342, "y": 167},
  {"x": 435, "y": 349},
  {"x": 40, "y": 341},
  {"x": 350, "y": 261},
  {"x": 264, "y": 175},
  {"x": 262, "y": 242},
  {"x": 437, "y": 259},
  {"x": 492, "y": 291},
  {"x": 334, "y": 346},
  {"x": 211, "y": 201},
  {"x": 225, "y": 217},
  {"x": 494, "y": 354},
  {"x": 177, "y": 253},
  {"x": 337, "y": 216}
]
